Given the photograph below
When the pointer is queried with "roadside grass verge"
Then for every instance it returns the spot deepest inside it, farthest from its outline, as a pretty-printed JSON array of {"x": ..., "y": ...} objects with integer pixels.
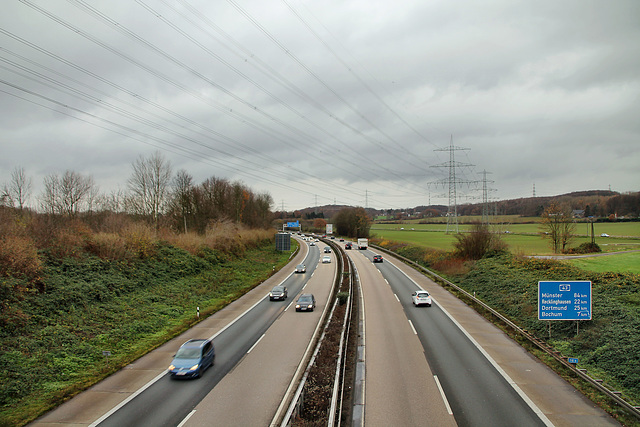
[{"x": 128, "y": 308}]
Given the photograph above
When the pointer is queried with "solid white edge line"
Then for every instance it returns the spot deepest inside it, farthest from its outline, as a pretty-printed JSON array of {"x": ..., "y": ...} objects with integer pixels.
[
  {"x": 444, "y": 396},
  {"x": 127, "y": 400},
  {"x": 183, "y": 422},
  {"x": 501, "y": 371},
  {"x": 412, "y": 327},
  {"x": 397, "y": 299},
  {"x": 498, "y": 368},
  {"x": 256, "y": 343}
]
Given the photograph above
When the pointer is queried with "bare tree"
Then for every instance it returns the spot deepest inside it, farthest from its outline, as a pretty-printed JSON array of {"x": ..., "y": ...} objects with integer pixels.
[
  {"x": 66, "y": 194},
  {"x": 17, "y": 192},
  {"x": 558, "y": 226},
  {"x": 183, "y": 195},
  {"x": 149, "y": 185}
]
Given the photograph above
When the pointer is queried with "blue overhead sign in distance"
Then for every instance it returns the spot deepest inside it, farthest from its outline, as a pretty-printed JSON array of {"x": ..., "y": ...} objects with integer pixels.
[
  {"x": 570, "y": 300},
  {"x": 293, "y": 224}
]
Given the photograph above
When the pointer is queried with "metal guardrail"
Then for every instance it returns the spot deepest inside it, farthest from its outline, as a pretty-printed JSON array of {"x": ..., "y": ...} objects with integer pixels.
[{"x": 582, "y": 373}]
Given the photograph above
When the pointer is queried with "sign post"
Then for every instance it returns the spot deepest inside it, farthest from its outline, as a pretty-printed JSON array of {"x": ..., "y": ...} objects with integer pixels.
[{"x": 569, "y": 300}]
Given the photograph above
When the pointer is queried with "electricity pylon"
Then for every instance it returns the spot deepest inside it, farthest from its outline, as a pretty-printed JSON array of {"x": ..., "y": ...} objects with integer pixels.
[{"x": 452, "y": 182}]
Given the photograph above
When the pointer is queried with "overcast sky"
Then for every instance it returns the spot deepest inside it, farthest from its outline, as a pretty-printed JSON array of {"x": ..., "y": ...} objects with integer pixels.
[{"x": 327, "y": 101}]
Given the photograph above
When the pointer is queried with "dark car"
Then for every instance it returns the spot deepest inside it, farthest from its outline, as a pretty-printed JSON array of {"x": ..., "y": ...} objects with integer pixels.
[
  {"x": 327, "y": 249},
  {"x": 278, "y": 292},
  {"x": 192, "y": 359},
  {"x": 347, "y": 245},
  {"x": 306, "y": 302},
  {"x": 377, "y": 258}
]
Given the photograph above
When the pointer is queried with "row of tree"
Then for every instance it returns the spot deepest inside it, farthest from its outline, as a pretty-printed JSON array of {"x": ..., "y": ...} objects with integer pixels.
[{"x": 153, "y": 192}]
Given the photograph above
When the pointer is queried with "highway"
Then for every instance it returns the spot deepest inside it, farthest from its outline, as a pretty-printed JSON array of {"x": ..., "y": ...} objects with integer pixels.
[
  {"x": 422, "y": 366},
  {"x": 463, "y": 351}
]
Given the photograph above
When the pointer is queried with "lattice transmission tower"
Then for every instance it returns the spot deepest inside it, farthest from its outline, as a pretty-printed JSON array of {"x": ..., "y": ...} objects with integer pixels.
[
  {"x": 485, "y": 197},
  {"x": 453, "y": 182}
]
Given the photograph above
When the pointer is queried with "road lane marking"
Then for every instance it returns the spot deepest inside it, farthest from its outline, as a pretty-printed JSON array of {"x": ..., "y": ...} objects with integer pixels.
[
  {"x": 444, "y": 396},
  {"x": 414, "y": 329},
  {"x": 127, "y": 400},
  {"x": 253, "y": 346},
  {"x": 187, "y": 418},
  {"x": 396, "y": 295}
]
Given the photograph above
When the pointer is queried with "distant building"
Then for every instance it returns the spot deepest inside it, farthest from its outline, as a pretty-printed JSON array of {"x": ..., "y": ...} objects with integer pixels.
[{"x": 578, "y": 213}]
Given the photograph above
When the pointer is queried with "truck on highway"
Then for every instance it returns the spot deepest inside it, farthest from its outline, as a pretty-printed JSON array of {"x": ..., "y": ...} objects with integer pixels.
[{"x": 363, "y": 243}]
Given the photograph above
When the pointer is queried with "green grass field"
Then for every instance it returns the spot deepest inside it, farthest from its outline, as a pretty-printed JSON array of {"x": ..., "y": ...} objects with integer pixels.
[
  {"x": 628, "y": 262},
  {"x": 522, "y": 238}
]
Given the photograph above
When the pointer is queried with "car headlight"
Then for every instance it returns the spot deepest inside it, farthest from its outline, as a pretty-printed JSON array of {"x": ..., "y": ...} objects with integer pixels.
[
  {"x": 297, "y": 305},
  {"x": 171, "y": 368},
  {"x": 193, "y": 368}
]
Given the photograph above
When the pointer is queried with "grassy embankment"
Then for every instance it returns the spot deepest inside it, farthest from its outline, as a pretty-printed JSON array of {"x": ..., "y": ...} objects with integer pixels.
[{"x": 52, "y": 345}]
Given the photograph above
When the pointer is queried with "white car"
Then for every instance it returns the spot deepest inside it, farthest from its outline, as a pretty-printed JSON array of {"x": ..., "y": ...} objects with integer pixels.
[
  {"x": 604, "y": 235},
  {"x": 421, "y": 298},
  {"x": 301, "y": 268},
  {"x": 312, "y": 244},
  {"x": 326, "y": 259}
]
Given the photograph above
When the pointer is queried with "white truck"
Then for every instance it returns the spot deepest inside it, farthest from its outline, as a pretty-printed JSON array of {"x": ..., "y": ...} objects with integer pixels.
[{"x": 363, "y": 243}]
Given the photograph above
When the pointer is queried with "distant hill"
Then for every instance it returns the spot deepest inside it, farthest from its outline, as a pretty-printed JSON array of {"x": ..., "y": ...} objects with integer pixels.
[{"x": 599, "y": 203}]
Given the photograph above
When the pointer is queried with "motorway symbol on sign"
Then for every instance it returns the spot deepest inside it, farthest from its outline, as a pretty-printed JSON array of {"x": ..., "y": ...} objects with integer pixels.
[{"x": 570, "y": 300}]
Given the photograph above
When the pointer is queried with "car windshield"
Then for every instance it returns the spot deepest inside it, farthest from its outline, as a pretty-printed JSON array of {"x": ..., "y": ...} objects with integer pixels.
[
  {"x": 300, "y": 266},
  {"x": 423, "y": 295},
  {"x": 188, "y": 353},
  {"x": 304, "y": 299},
  {"x": 278, "y": 289}
]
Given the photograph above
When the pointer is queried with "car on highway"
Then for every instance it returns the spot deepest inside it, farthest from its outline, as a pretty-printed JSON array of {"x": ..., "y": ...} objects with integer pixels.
[
  {"x": 306, "y": 302},
  {"x": 312, "y": 244},
  {"x": 421, "y": 298},
  {"x": 377, "y": 258},
  {"x": 327, "y": 250},
  {"x": 278, "y": 293},
  {"x": 326, "y": 259},
  {"x": 301, "y": 268},
  {"x": 347, "y": 245},
  {"x": 192, "y": 359}
]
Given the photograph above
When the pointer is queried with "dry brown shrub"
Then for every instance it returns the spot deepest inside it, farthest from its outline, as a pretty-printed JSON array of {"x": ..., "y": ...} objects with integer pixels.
[
  {"x": 190, "y": 242},
  {"x": 69, "y": 239},
  {"x": 252, "y": 237},
  {"x": 19, "y": 258},
  {"x": 108, "y": 246},
  {"x": 116, "y": 222},
  {"x": 451, "y": 266},
  {"x": 140, "y": 239},
  {"x": 224, "y": 236}
]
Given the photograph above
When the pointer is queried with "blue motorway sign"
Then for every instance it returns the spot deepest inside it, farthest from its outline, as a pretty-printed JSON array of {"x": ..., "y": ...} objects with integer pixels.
[
  {"x": 570, "y": 300},
  {"x": 293, "y": 224}
]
